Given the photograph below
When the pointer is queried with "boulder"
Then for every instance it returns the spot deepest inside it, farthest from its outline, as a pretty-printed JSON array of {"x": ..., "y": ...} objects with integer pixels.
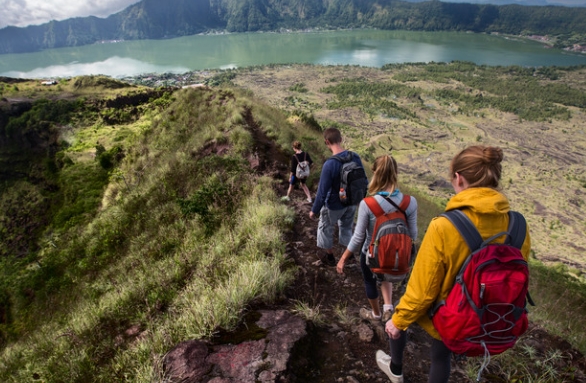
[{"x": 261, "y": 360}]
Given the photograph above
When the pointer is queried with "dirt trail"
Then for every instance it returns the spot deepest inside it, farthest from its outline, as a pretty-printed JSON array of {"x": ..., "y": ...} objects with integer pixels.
[{"x": 344, "y": 346}]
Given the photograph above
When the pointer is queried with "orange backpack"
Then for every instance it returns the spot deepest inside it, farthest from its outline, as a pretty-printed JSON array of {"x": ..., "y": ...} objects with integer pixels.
[{"x": 390, "y": 248}]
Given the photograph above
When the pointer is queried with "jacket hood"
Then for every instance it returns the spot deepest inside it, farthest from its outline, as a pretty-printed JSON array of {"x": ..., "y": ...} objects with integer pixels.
[{"x": 480, "y": 200}]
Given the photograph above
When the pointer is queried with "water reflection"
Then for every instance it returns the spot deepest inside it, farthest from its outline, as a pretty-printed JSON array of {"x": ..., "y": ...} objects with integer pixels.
[
  {"x": 361, "y": 47},
  {"x": 113, "y": 67}
]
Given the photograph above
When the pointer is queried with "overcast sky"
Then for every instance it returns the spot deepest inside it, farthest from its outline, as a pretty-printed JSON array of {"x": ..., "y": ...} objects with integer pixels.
[{"x": 21, "y": 13}]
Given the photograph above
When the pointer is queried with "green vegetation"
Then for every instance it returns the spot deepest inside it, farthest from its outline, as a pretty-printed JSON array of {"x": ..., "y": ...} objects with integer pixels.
[
  {"x": 509, "y": 89},
  {"x": 299, "y": 87},
  {"x": 373, "y": 98},
  {"x": 154, "y": 233}
]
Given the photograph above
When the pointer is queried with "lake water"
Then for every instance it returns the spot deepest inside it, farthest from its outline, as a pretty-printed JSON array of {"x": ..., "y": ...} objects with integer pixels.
[{"x": 359, "y": 47}]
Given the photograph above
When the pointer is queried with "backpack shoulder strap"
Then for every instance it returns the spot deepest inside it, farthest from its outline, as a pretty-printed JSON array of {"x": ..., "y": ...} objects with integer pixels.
[
  {"x": 515, "y": 233},
  {"x": 374, "y": 206},
  {"x": 465, "y": 227},
  {"x": 343, "y": 159},
  {"x": 517, "y": 229},
  {"x": 402, "y": 207},
  {"x": 405, "y": 203}
]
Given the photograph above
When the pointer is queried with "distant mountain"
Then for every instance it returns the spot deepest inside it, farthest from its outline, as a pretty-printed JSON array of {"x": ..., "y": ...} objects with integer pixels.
[
  {"x": 155, "y": 19},
  {"x": 565, "y": 3},
  {"x": 539, "y": 3}
]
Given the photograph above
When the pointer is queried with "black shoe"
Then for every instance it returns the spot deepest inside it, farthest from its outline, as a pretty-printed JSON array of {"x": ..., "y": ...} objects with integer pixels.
[{"x": 330, "y": 260}]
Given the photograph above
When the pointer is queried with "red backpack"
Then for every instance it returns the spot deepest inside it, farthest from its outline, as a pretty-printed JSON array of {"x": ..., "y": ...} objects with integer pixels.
[
  {"x": 391, "y": 245},
  {"x": 485, "y": 312}
]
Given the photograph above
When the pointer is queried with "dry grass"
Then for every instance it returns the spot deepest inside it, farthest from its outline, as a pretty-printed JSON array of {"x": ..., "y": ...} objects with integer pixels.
[{"x": 543, "y": 173}]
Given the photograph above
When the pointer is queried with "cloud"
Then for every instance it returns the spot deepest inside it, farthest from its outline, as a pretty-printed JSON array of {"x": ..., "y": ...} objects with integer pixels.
[
  {"x": 113, "y": 67},
  {"x": 21, "y": 13}
]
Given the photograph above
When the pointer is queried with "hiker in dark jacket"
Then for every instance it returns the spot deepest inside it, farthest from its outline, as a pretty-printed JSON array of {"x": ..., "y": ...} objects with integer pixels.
[{"x": 327, "y": 200}]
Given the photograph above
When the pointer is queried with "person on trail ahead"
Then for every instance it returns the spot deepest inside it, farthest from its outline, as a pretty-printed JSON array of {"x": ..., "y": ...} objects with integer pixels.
[
  {"x": 327, "y": 200},
  {"x": 475, "y": 173},
  {"x": 383, "y": 187},
  {"x": 297, "y": 158}
]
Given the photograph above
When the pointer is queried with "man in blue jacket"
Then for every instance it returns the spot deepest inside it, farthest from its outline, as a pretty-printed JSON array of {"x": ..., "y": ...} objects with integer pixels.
[{"x": 327, "y": 201}]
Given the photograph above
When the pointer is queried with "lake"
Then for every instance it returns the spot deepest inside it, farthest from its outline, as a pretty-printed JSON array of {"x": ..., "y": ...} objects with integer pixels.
[{"x": 371, "y": 48}]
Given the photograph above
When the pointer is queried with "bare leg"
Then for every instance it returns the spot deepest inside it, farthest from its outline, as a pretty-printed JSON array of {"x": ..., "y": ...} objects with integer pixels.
[
  {"x": 306, "y": 190},
  {"x": 386, "y": 289},
  {"x": 375, "y": 307}
]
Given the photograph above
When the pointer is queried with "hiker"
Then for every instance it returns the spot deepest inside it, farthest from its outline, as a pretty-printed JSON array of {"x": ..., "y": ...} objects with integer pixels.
[
  {"x": 299, "y": 159},
  {"x": 383, "y": 186},
  {"x": 475, "y": 173},
  {"x": 327, "y": 200}
]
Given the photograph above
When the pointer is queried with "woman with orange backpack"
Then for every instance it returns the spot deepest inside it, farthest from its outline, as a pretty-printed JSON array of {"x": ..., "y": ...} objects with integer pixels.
[
  {"x": 475, "y": 173},
  {"x": 384, "y": 198}
]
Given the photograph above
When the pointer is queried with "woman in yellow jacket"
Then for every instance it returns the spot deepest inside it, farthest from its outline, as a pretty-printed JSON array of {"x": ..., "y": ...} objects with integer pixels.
[{"x": 475, "y": 173}]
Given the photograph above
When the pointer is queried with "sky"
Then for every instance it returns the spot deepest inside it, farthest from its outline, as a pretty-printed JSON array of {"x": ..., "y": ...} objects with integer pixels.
[{"x": 21, "y": 13}]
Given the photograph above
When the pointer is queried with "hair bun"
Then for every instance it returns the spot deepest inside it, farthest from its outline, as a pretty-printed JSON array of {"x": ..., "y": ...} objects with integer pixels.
[{"x": 493, "y": 155}]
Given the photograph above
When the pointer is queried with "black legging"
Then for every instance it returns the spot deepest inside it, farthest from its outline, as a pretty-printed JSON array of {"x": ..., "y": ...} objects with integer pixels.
[
  {"x": 369, "y": 279},
  {"x": 440, "y": 358}
]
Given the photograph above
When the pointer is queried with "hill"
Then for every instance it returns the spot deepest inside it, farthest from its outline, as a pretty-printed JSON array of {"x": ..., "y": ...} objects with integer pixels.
[
  {"x": 151, "y": 19},
  {"x": 137, "y": 218}
]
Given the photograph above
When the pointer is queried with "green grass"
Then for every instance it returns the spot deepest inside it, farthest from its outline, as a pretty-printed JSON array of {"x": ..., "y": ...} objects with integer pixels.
[
  {"x": 560, "y": 300},
  {"x": 173, "y": 248}
]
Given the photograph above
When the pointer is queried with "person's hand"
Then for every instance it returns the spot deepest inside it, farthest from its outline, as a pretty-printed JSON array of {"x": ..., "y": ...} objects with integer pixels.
[
  {"x": 311, "y": 215},
  {"x": 392, "y": 330},
  {"x": 340, "y": 265}
]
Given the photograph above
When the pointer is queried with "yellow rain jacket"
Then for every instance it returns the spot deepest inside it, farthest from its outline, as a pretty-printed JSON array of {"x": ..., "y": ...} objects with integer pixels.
[{"x": 443, "y": 251}]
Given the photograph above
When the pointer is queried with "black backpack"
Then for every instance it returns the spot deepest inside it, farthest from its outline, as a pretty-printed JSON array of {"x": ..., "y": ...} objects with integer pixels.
[{"x": 353, "y": 181}]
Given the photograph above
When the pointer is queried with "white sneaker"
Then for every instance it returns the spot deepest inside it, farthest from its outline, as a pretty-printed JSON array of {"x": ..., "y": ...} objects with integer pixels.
[
  {"x": 368, "y": 315},
  {"x": 384, "y": 363},
  {"x": 309, "y": 200},
  {"x": 285, "y": 199},
  {"x": 387, "y": 316}
]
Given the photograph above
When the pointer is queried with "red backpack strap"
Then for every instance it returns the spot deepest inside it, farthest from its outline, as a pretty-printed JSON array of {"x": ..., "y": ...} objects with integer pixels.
[
  {"x": 402, "y": 207},
  {"x": 405, "y": 203},
  {"x": 374, "y": 206}
]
